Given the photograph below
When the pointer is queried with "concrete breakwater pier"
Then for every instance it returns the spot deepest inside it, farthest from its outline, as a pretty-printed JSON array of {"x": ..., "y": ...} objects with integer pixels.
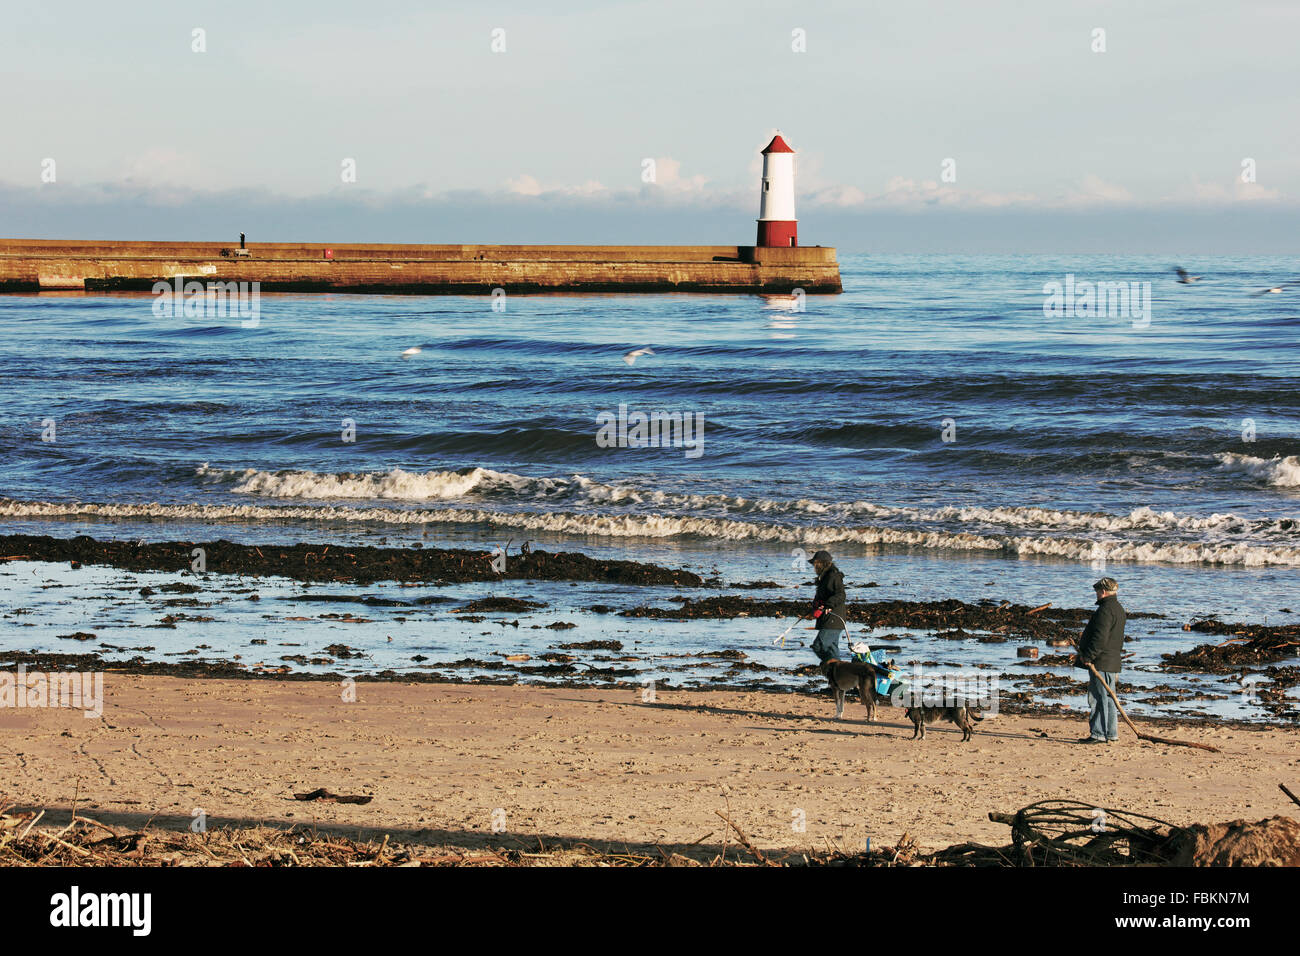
[{"x": 34, "y": 265}]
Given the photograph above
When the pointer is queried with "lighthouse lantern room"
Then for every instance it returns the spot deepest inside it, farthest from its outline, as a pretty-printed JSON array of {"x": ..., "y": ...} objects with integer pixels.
[{"x": 777, "y": 225}]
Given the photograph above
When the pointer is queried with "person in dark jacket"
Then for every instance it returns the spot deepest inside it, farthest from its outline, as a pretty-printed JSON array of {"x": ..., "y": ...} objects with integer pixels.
[
  {"x": 828, "y": 607},
  {"x": 1102, "y": 645}
]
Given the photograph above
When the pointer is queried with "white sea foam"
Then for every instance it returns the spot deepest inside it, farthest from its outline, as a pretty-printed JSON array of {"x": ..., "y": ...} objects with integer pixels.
[
  {"x": 1276, "y": 471},
  {"x": 472, "y": 486},
  {"x": 642, "y": 525}
]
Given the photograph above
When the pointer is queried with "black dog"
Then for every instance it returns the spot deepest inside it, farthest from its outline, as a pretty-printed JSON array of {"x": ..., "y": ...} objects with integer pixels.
[{"x": 961, "y": 715}]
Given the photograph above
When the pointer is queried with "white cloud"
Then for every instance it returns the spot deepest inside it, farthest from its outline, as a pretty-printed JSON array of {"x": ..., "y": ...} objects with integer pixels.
[
  {"x": 1093, "y": 190},
  {"x": 524, "y": 185},
  {"x": 668, "y": 175},
  {"x": 1236, "y": 191}
]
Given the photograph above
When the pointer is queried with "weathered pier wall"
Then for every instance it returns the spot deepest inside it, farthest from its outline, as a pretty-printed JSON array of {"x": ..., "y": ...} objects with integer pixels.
[{"x": 32, "y": 265}]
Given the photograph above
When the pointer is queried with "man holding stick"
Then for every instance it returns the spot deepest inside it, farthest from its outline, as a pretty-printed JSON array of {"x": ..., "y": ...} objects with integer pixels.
[{"x": 1102, "y": 646}]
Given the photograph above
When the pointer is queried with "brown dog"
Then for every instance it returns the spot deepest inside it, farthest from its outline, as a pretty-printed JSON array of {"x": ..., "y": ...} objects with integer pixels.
[
  {"x": 961, "y": 715},
  {"x": 846, "y": 675}
]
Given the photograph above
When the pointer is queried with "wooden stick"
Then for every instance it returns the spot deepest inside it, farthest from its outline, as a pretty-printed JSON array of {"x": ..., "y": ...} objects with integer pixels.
[
  {"x": 1037, "y": 609},
  {"x": 1141, "y": 736},
  {"x": 31, "y": 823},
  {"x": 1294, "y": 798},
  {"x": 744, "y": 840}
]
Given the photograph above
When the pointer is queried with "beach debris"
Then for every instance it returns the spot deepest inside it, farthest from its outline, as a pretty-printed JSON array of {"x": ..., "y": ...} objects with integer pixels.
[
  {"x": 1294, "y": 798},
  {"x": 1271, "y": 842},
  {"x": 744, "y": 840},
  {"x": 359, "y": 565},
  {"x": 591, "y": 646},
  {"x": 1049, "y": 833},
  {"x": 1072, "y": 833},
  {"x": 325, "y": 796},
  {"x": 1246, "y": 644},
  {"x": 506, "y": 605},
  {"x": 1031, "y": 652},
  {"x": 951, "y": 619}
]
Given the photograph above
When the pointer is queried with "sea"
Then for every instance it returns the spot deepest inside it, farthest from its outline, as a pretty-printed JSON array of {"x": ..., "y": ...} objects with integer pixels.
[{"x": 948, "y": 427}]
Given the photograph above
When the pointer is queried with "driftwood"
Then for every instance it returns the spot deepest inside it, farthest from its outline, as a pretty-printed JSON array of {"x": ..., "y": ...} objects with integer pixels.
[
  {"x": 1072, "y": 833},
  {"x": 744, "y": 840},
  {"x": 1141, "y": 736},
  {"x": 1294, "y": 798},
  {"x": 327, "y": 797}
]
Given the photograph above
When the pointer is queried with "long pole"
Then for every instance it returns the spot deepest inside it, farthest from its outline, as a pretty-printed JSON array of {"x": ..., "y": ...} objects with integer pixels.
[{"x": 1151, "y": 737}]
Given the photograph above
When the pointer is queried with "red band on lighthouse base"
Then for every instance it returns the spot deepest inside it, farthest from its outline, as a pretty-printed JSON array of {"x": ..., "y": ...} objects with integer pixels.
[{"x": 778, "y": 232}]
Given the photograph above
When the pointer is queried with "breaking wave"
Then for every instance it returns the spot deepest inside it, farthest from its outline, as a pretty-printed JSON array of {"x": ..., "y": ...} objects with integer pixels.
[
  {"x": 643, "y": 525},
  {"x": 1276, "y": 472},
  {"x": 476, "y": 485}
]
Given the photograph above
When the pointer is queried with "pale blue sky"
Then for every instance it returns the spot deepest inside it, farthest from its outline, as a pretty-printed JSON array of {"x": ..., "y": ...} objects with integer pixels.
[{"x": 452, "y": 140}]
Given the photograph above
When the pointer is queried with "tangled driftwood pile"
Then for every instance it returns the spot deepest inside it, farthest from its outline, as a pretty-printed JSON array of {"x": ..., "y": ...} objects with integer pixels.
[{"x": 1050, "y": 833}]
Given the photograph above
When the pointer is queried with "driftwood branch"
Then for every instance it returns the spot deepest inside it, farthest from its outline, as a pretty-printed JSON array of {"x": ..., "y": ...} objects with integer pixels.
[
  {"x": 744, "y": 840},
  {"x": 1294, "y": 798},
  {"x": 1141, "y": 736}
]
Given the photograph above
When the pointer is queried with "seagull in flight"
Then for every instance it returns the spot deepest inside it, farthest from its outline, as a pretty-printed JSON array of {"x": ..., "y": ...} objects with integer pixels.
[
  {"x": 1183, "y": 276},
  {"x": 1274, "y": 291},
  {"x": 631, "y": 357}
]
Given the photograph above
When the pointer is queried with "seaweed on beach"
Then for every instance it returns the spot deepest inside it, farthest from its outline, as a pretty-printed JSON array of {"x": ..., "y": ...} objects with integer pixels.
[
  {"x": 988, "y": 621},
  {"x": 506, "y": 605},
  {"x": 1248, "y": 644},
  {"x": 332, "y": 563}
]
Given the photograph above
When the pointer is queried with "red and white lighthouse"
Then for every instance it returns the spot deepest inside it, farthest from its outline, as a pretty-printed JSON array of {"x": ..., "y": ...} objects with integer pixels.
[{"x": 777, "y": 225}]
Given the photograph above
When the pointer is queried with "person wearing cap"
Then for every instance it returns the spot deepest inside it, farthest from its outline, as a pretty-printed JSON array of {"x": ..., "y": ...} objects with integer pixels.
[
  {"x": 1102, "y": 645},
  {"x": 828, "y": 607}
]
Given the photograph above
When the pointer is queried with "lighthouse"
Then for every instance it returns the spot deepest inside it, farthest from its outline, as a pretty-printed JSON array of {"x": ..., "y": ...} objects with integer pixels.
[{"x": 777, "y": 225}]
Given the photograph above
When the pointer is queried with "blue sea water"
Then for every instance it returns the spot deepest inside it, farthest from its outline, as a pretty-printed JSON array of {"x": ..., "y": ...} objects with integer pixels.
[{"x": 931, "y": 426}]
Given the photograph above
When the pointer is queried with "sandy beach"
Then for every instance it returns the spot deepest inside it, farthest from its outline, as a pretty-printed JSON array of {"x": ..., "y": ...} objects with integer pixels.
[{"x": 447, "y": 763}]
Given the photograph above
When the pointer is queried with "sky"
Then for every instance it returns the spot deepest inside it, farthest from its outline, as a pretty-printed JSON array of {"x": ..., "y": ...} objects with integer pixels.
[{"x": 1174, "y": 130}]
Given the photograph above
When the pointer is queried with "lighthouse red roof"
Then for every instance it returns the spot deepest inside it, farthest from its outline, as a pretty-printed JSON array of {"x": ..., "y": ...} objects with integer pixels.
[{"x": 778, "y": 145}]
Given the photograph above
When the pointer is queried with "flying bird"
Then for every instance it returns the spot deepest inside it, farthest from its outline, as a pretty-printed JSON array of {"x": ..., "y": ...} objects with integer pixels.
[
  {"x": 631, "y": 357},
  {"x": 1183, "y": 276},
  {"x": 1274, "y": 291}
]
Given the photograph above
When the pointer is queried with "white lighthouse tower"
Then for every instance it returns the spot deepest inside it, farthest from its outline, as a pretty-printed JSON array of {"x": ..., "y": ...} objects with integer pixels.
[{"x": 777, "y": 225}]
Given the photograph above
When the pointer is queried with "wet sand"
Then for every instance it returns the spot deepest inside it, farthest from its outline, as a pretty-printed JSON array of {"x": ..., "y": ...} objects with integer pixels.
[{"x": 444, "y": 763}]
